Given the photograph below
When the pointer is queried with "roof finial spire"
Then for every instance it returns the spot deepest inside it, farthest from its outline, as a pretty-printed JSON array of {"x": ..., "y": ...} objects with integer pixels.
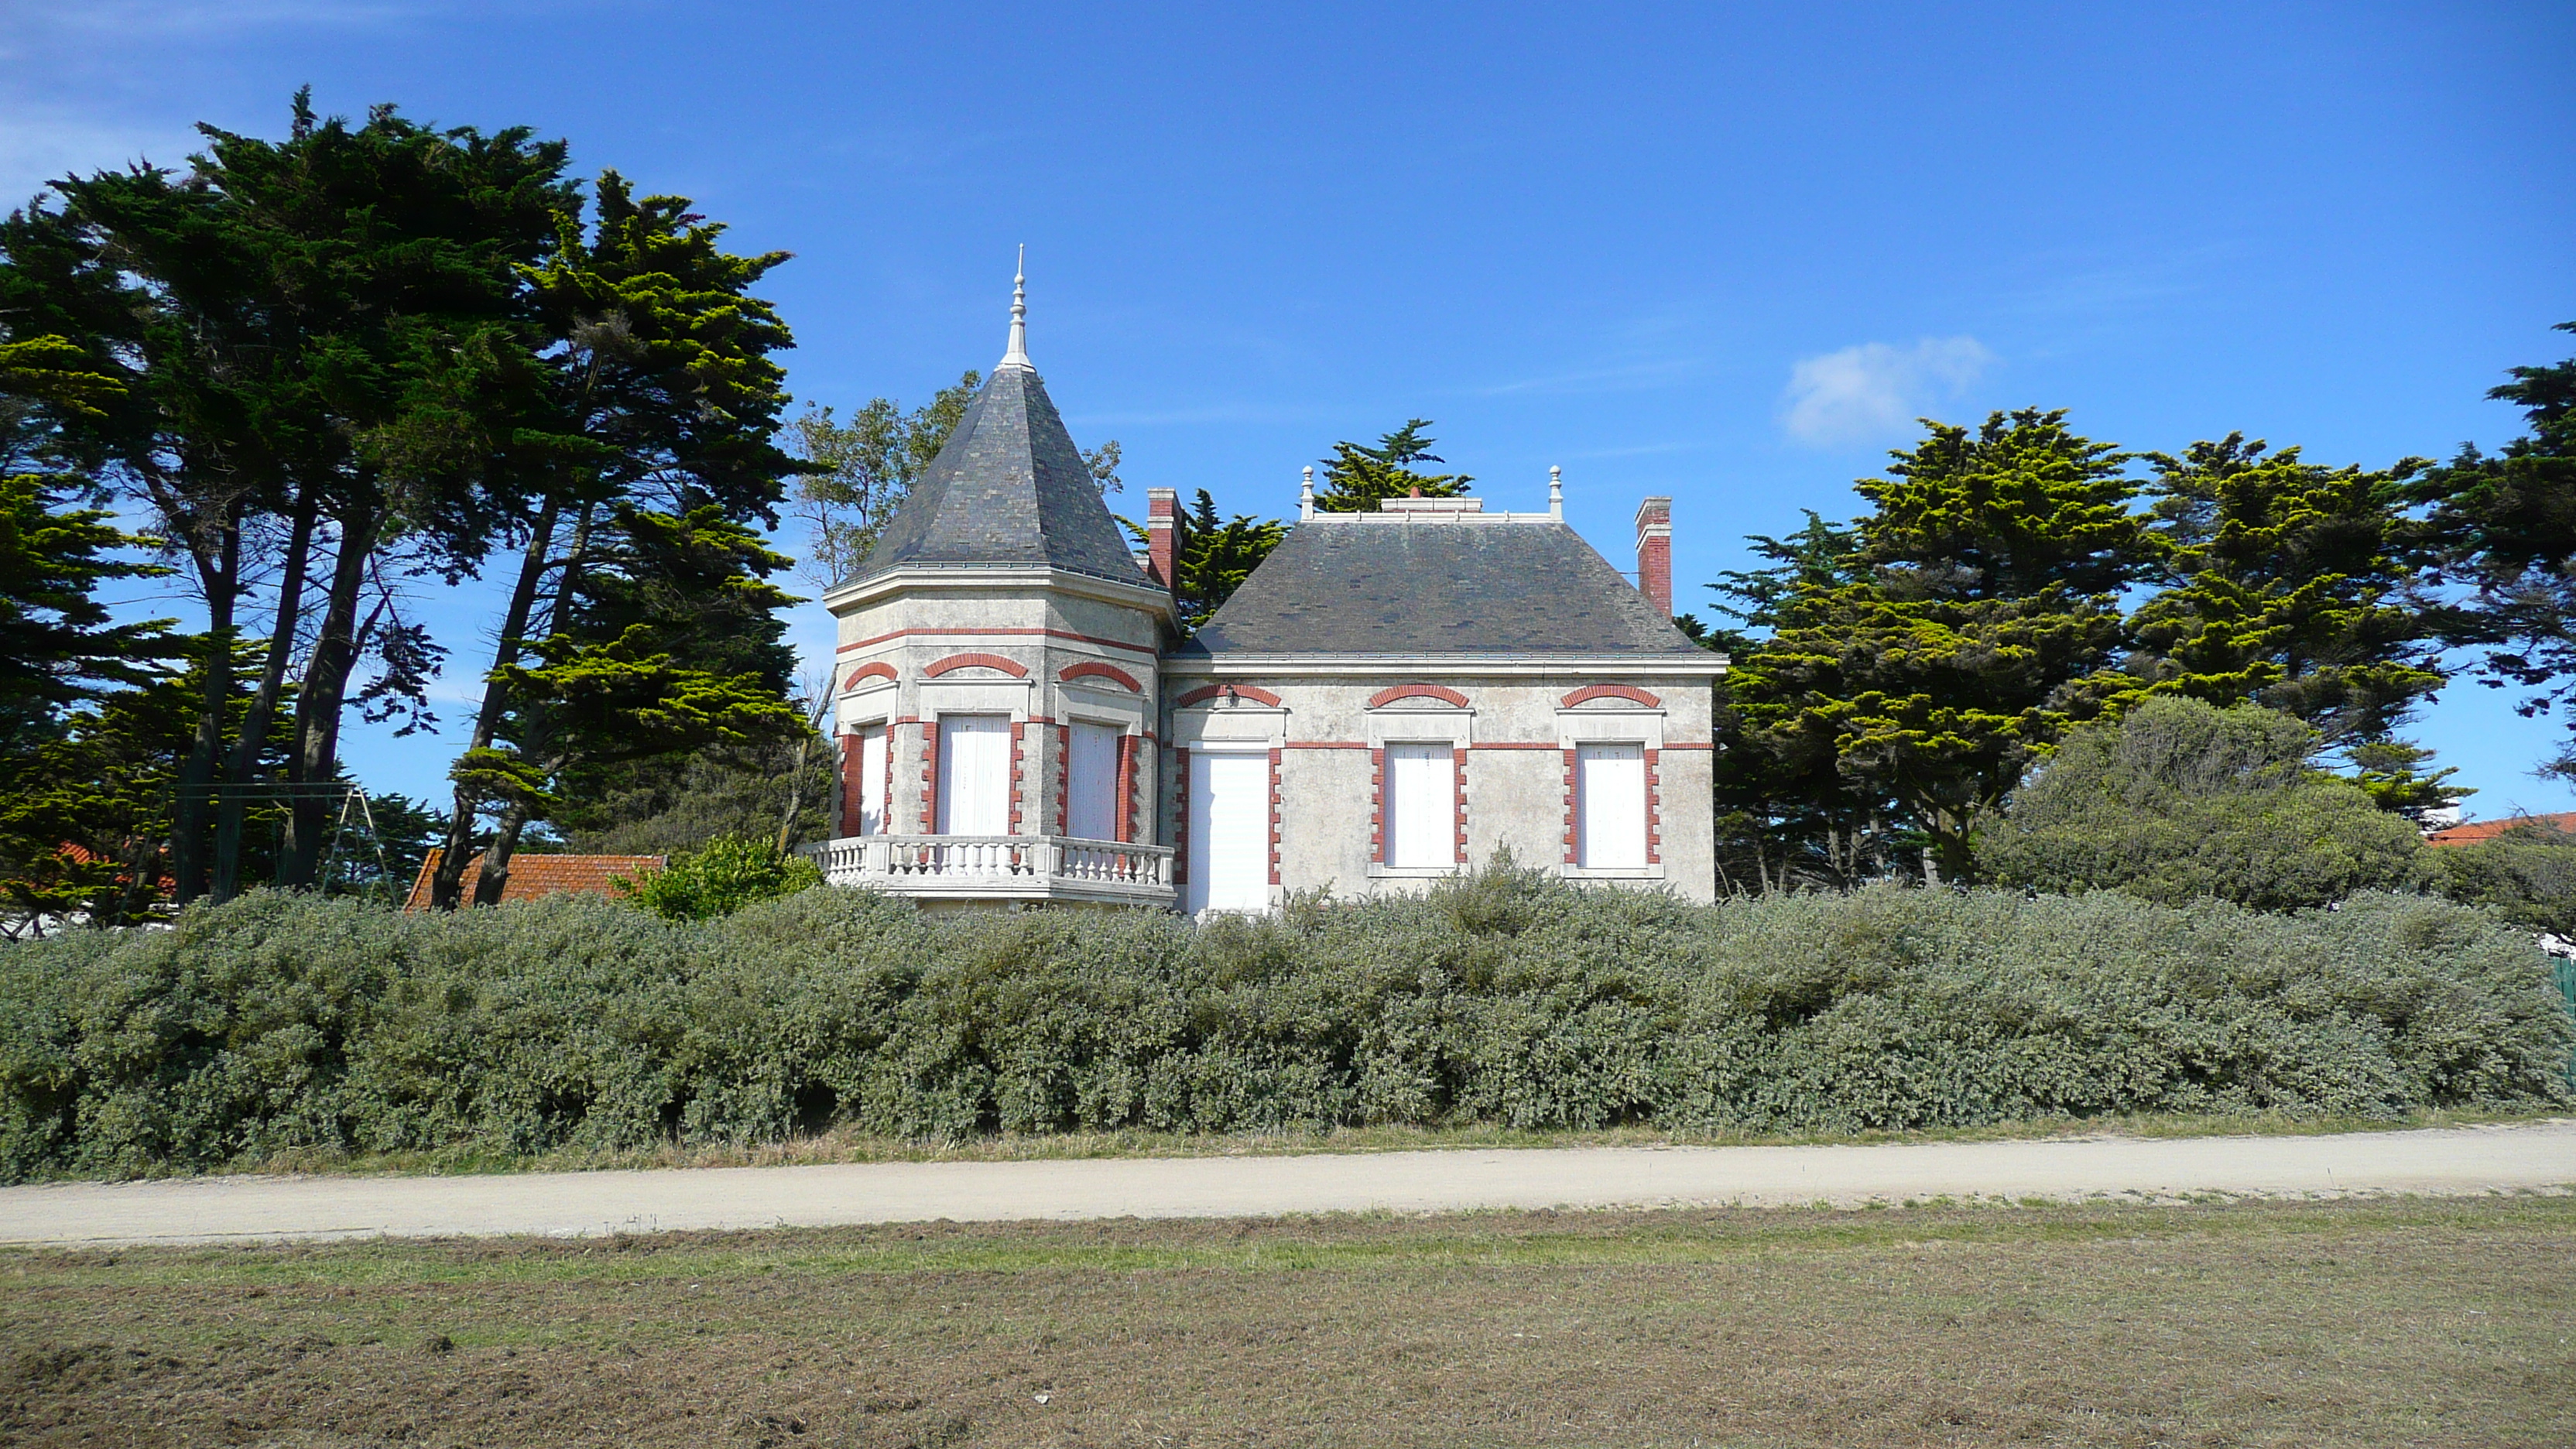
[
  {"x": 1306, "y": 495},
  {"x": 1018, "y": 355},
  {"x": 1556, "y": 494}
]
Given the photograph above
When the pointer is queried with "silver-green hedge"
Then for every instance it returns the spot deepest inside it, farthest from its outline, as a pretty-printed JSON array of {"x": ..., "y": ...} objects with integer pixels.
[{"x": 281, "y": 1024}]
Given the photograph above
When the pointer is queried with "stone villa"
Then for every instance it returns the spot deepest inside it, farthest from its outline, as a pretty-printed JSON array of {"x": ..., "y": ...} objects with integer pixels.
[{"x": 1390, "y": 697}]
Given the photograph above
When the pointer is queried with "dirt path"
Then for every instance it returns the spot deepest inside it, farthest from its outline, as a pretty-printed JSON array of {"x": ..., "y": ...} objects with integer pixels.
[{"x": 2440, "y": 1162}]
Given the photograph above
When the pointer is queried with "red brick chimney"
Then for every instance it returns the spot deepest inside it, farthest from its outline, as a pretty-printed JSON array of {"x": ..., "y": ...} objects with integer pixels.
[
  {"x": 1162, "y": 532},
  {"x": 1655, "y": 553}
]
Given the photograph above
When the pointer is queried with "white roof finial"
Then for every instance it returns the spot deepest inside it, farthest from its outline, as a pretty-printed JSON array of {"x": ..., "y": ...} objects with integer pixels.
[
  {"x": 1018, "y": 355},
  {"x": 1556, "y": 494},
  {"x": 1306, "y": 495}
]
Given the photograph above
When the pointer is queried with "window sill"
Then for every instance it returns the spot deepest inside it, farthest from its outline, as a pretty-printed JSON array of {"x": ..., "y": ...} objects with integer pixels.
[
  {"x": 1642, "y": 872},
  {"x": 1410, "y": 872}
]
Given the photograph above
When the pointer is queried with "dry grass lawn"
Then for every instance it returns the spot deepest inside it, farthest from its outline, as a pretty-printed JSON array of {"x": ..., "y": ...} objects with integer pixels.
[{"x": 2393, "y": 1322}]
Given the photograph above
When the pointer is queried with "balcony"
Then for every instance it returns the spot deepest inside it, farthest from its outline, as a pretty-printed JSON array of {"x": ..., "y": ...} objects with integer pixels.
[{"x": 957, "y": 868}]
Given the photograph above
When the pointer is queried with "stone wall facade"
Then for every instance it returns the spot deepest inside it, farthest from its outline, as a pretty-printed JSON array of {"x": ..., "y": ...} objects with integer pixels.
[
  {"x": 1043, "y": 647},
  {"x": 1514, "y": 737}
]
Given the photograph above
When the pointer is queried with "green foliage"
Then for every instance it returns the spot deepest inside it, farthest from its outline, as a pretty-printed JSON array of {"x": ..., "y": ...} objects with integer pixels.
[
  {"x": 1358, "y": 477},
  {"x": 277, "y": 1024},
  {"x": 2283, "y": 587},
  {"x": 2020, "y": 507},
  {"x": 1917, "y": 664},
  {"x": 863, "y": 469},
  {"x": 673, "y": 645},
  {"x": 729, "y": 873},
  {"x": 677, "y": 804},
  {"x": 56, "y": 642},
  {"x": 2181, "y": 800},
  {"x": 1212, "y": 558},
  {"x": 2507, "y": 524},
  {"x": 859, "y": 472},
  {"x": 2527, "y": 875}
]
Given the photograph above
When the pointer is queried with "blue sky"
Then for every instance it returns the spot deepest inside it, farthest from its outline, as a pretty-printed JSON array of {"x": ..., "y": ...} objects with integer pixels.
[{"x": 1725, "y": 253}]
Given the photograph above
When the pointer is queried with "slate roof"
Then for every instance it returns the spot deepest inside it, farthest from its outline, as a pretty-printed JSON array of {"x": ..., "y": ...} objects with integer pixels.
[
  {"x": 1009, "y": 488},
  {"x": 532, "y": 876},
  {"x": 1356, "y": 585}
]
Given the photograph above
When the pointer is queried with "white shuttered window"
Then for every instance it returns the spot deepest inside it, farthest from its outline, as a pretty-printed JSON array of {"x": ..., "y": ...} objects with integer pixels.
[
  {"x": 1419, "y": 808},
  {"x": 1092, "y": 776},
  {"x": 1229, "y": 832},
  {"x": 974, "y": 774},
  {"x": 872, "y": 781},
  {"x": 1610, "y": 806}
]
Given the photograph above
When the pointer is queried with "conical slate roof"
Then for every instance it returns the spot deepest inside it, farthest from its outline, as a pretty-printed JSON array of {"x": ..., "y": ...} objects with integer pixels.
[{"x": 1008, "y": 489}]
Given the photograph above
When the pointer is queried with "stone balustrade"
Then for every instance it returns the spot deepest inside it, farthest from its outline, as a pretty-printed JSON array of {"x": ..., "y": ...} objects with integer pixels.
[{"x": 961, "y": 868}]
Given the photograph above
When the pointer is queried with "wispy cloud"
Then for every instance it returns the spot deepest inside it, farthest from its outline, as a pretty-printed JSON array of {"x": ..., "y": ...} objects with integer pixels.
[
  {"x": 162, "y": 21},
  {"x": 1865, "y": 393}
]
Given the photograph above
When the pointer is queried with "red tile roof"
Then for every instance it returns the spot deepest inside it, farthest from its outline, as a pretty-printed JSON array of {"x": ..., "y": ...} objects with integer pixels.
[
  {"x": 2478, "y": 830},
  {"x": 532, "y": 876}
]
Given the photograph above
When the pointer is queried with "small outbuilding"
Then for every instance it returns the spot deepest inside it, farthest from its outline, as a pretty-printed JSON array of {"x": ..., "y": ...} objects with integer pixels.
[{"x": 532, "y": 876}]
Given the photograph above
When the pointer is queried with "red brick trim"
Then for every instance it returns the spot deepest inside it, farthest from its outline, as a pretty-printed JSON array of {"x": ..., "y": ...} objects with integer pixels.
[
  {"x": 1064, "y": 779},
  {"x": 1000, "y": 633},
  {"x": 1654, "y": 812},
  {"x": 1458, "y": 797},
  {"x": 1094, "y": 669},
  {"x": 1628, "y": 692},
  {"x": 1181, "y": 818},
  {"x": 1019, "y": 773},
  {"x": 1207, "y": 692},
  {"x": 1512, "y": 745},
  {"x": 1377, "y": 805},
  {"x": 1126, "y": 817},
  {"x": 1274, "y": 817},
  {"x": 930, "y": 776},
  {"x": 1570, "y": 808},
  {"x": 1324, "y": 745},
  {"x": 878, "y": 670},
  {"x": 853, "y": 789},
  {"x": 1702, "y": 745},
  {"x": 1385, "y": 697},
  {"x": 1011, "y": 667}
]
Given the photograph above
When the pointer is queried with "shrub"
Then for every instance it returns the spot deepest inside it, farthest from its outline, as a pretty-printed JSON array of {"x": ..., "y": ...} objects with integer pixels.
[
  {"x": 2527, "y": 874},
  {"x": 730, "y": 873},
  {"x": 2181, "y": 800},
  {"x": 278, "y": 1023}
]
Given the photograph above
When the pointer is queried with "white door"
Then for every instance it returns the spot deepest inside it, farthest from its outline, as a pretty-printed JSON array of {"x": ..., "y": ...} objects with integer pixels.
[
  {"x": 1092, "y": 776},
  {"x": 1610, "y": 807},
  {"x": 1420, "y": 808},
  {"x": 1229, "y": 832},
  {"x": 974, "y": 774}
]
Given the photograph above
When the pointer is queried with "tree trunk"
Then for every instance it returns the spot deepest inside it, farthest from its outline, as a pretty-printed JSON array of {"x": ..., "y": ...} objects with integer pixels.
[
  {"x": 515, "y": 814},
  {"x": 447, "y": 883},
  {"x": 221, "y": 580},
  {"x": 318, "y": 702},
  {"x": 496, "y": 856},
  {"x": 263, "y": 707}
]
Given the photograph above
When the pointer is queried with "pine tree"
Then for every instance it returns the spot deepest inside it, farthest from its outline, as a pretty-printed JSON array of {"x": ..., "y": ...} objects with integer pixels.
[
  {"x": 2285, "y": 586},
  {"x": 657, "y": 396},
  {"x": 2506, "y": 525},
  {"x": 1974, "y": 617},
  {"x": 1357, "y": 477}
]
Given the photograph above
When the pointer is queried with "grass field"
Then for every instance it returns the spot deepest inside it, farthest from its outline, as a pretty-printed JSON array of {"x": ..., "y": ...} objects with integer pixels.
[{"x": 2387, "y": 1322}]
